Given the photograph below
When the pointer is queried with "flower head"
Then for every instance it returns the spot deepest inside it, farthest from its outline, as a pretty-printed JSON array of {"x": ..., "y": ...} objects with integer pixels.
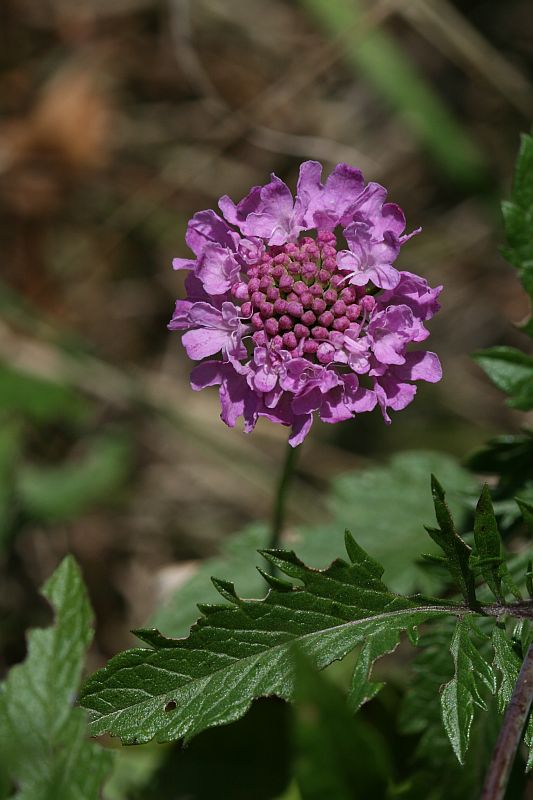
[{"x": 299, "y": 303}]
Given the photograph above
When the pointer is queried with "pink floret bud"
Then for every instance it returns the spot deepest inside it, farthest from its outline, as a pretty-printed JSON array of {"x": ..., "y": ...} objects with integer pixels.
[
  {"x": 280, "y": 306},
  {"x": 316, "y": 289},
  {"x": 265, "y": 282},
  {"x": 246, "y": 309},
  {"x": 271, "y": 326},
  {"x": 330, "y": 263},
  {"x": 289, "y": 340},
  {"x": 257, "y": 298},
  {"x": 308, "y": 318},
  {"x": 336, "y": 280},
  {"x": 266, "y": 309},
  {"x": 301, "y": 331},
  {"x": 295, "y": 309},
  {"x": 324, "y": 276},
  {"x": 272, "y": 293},
  {"x": 299, "y": 287},
  {"x": 319, "y": 332},
  {"x": 253, "y": 285},
  {"x": 326, "y": 318},
  {"x": 259, "y": 338},
  {"x": 348, "y": 294},
  {"x": 285, "y": 323},
  {"x": 310, "y": 346},
  {"x": 319, "y": 305},
  {"x": 341, "y": 323},
  {"x": 293, "y": 268},
  {"x": 277, "y": 342},
  {"x": 330, "y": 296},
  {"x": 286, "y": 282},
  {"x": 368, "y": 303},
  {"x": 353, "y": 312},
  {"x": 338, "y": 308},
  {"x": 257, "y": 322},
  {"x": 240, "y": 291},
  {"x": 307, "y": 299},
  {"x": 325, "y": 353},
  {"x": 277, "y": 271},
  {"x": 326, "y": 237}
]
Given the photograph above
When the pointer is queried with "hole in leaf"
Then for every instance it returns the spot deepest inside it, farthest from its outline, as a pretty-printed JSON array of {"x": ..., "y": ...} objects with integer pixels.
[{"x": 171, "y": 705}]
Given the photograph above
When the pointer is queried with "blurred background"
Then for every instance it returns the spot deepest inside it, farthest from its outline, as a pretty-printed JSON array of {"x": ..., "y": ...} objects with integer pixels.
[{"x": 119, "y": 120}]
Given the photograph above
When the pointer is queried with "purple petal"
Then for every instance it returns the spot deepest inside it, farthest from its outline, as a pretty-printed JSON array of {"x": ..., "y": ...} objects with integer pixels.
[
  {"x": 205, "y": 228},
  {"x": 415, "y": 292},
  {"x": 307, "y": 402},
  {"x": 369, "y": 203},
  {"x": 325, "y": 206},
  {"x": 181, "y": 318},
  {"x": 208, "y": 373},
  {"x": 183, "y": 263},
  {"x": 272, "y": 220},
  {"x": 203, "y": 342},
  {"x": 420, "y": 366},
  {"x": 334, "y": 409},
  {"x": 391, "y": 219},
  {"x": 237, "y": 213},
  {"x": 300, "y": 428},
  {"x": 382, "y": 275},
  {"x": 217, "y": 269}
]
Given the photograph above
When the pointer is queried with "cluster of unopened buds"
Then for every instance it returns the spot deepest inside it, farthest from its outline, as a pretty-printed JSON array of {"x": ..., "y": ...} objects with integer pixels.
[{"x": 300, "y": 323}]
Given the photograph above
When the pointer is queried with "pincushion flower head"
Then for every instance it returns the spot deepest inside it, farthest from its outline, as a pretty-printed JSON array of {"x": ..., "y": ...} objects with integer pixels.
[{"x": 294, "y": 307}]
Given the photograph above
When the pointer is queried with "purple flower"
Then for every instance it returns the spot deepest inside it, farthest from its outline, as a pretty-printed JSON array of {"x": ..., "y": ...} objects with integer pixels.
[{"x": 290, "y": 325}]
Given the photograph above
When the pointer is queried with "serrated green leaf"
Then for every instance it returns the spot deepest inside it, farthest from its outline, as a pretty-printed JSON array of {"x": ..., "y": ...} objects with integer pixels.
[
  {"x": 377, "y": 645},
  {"x": 511, "y": 371},
  {"x": 490, "y": 559},
  {"x": 421, "y": 715},
  {"x": 244, "y": 651},
  {"x": 43, "y": 739},
  {"x": 508, "y": 661},
  {"x": 456, "y": 551},
  {"x": 462, "y": 694}
]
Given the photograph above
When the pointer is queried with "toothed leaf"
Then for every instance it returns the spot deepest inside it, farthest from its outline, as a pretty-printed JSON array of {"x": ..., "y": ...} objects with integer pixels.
[
  {"x": 462, "y": 694},
  {"x": 44, "y": 749},
  {"x": 244, "y": 650},
  {"x": 456, "y": 551}
]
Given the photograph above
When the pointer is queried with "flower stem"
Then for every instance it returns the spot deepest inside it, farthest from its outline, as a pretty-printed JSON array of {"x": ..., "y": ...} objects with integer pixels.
[
  {"x": 278, "y": 515},
  {"x": 510, "y": 734}
]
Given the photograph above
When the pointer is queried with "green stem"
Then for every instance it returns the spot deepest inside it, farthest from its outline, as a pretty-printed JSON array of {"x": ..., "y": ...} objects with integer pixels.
[
  {"x": 510, "y": 733},
  {"x": 278, "y": 516}
]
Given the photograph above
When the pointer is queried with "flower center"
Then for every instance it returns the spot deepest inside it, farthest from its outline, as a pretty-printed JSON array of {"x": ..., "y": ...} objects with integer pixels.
[{"x": 295, "y": 298}]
